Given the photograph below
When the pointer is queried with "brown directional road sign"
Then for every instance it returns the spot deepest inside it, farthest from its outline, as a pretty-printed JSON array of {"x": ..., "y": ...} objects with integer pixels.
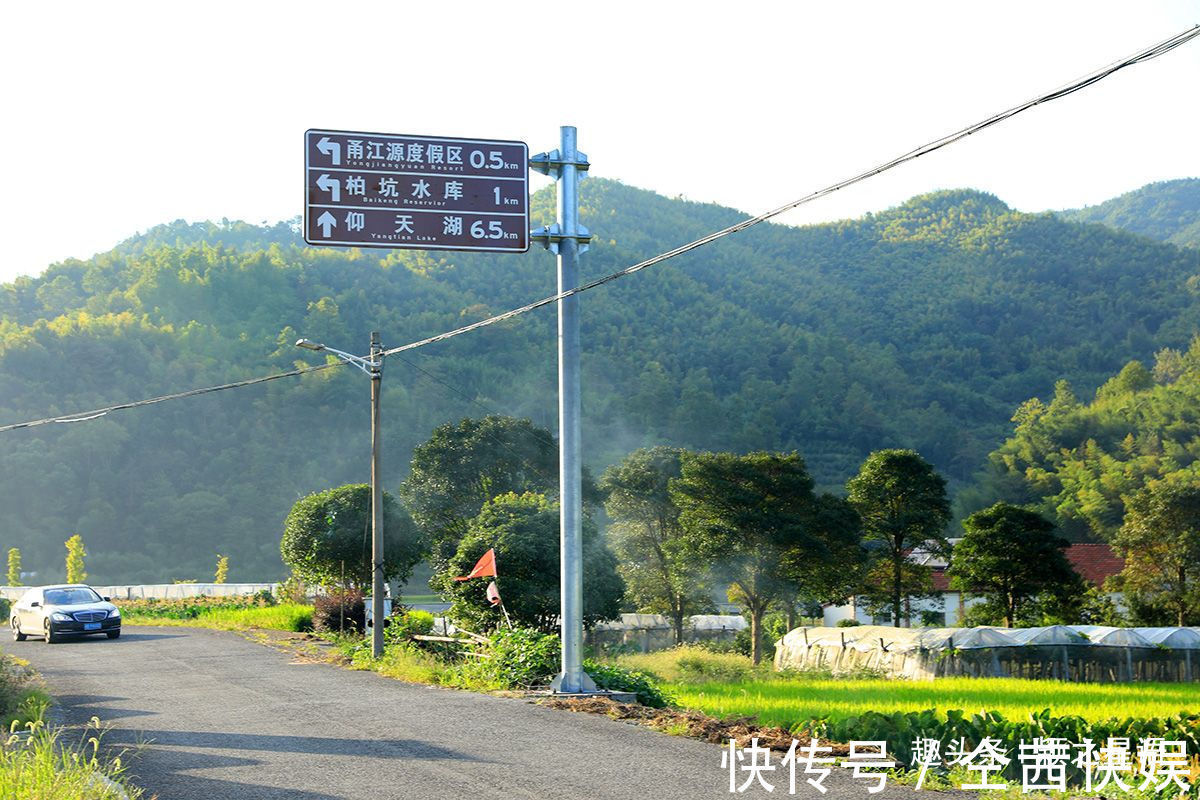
[{"x": 419, "y": 192}]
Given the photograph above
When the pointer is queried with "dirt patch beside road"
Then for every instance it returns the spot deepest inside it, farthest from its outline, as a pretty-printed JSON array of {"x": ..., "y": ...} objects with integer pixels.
[{"x": 692, "y": 724}]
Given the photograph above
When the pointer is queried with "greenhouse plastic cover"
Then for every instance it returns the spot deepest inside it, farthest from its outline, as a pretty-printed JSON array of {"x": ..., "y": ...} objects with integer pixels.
[
  {"x": 701, "y": 622},
  {"x": 880, "y": 637}
]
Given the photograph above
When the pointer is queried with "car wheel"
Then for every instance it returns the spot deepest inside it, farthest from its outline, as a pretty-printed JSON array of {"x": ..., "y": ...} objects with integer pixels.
[
  {"x": 51, "y": 636},
  {"x": 16, "y": 628},
  {"x": 114, "y": 634}
]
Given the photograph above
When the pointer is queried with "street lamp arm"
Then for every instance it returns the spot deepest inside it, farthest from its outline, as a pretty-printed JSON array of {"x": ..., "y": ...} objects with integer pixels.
[{"x": 365, "y": 364}]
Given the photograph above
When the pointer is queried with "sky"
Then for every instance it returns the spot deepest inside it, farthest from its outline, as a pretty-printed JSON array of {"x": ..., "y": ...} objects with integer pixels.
[{"x": 122, "y": 116}]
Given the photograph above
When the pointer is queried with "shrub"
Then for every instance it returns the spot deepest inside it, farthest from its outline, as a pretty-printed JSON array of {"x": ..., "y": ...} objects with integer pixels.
[
  {"x": 15, "y": 689},
  {"x": 192, "y": 607},
  {"x": 619, "y": 679},
  {"x": 848, "y": 623},
  {"x": 323, "y": 537},
  {"x": 690, "y": 663},
  {"x": 721, "y": 645},
  {"x": 338, "y": 610},
  {"x": 402, "y": 627},
  {"x": 5, "y": 608},
  {"x": 293, "y": 590},
  {"x": 707, "y": 669},
  {"x": 523, "y": 530},
  {"x": 517, "y": 658},
  {"x": 742, "y": 644},
  {"x": 263, "y": 597}
]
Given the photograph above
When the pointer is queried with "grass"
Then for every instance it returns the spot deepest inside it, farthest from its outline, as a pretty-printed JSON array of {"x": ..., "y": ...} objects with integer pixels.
[
  {"x": 284, "y": 617},
  {"x": 38, "y": 762},
  {"x": 725, "y": 685},
  {"x": 20, "y": 695},
  {"x": 42, "y": 762},
  {"x": 405, "y": 664}
]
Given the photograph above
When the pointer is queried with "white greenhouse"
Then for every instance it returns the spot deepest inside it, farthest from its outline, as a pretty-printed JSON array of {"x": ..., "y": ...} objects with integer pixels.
[{"x": 1091, "y": 653}]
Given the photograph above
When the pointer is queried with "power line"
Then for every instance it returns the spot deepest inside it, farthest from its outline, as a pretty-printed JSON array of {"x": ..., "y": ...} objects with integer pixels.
[
  {"x": 1154, "y": 51},
  {"x": 84, "y": 416},
  {"x": 463, "y": 394}
]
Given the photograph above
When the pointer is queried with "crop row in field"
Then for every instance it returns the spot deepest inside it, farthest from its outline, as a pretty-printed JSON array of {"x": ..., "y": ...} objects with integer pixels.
[
  {"x": 788, "y": 702},
  {"x": 726, "y": 684}
]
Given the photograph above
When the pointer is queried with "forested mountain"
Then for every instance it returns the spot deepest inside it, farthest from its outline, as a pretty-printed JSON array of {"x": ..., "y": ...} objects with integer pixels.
[
  {"x": 922, "y": 326},
  {"x": 1078, "y": 460},
  {"x": 1168, "y": 211}
]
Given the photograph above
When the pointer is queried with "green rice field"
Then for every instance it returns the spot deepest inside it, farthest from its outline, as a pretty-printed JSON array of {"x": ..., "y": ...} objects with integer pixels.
[
  {"x": 725, "y": 685},
  {"x": 787, "y": 702}
]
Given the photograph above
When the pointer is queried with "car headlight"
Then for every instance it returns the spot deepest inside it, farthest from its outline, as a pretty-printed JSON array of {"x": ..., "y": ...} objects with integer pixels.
[
  {"x": 114, "y": 614},
  {"x": 58, "y": 616}
]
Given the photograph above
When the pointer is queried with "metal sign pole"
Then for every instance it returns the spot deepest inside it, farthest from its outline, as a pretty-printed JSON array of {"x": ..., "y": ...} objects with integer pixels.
[
  {"x": 568, "y": 238},
  {"x": 376, "y": 501}
]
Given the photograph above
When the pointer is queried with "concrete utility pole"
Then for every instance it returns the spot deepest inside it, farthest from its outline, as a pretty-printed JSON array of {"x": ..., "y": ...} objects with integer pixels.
[
  {"x": 568, "y": 239},
  {"x": 376, "y": 373},
  {"x": 372, "y": 365}
]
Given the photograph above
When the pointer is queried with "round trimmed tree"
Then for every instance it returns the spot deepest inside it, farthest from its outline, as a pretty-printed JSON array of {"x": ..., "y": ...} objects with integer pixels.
[
  {"x": 328, "y": 530},
  {"x": 524, "y": 531}
]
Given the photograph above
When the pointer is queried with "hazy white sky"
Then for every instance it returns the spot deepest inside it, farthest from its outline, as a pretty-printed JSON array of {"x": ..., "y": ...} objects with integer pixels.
[{"x": 120, "y": 116}]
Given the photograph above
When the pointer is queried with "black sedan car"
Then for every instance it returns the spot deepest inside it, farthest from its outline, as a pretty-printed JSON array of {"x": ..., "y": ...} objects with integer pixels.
[{"x": 56, "y": 612}]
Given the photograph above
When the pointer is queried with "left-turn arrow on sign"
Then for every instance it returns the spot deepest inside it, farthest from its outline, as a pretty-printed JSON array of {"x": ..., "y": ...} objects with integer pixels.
[{"x": 331, "y": 185}]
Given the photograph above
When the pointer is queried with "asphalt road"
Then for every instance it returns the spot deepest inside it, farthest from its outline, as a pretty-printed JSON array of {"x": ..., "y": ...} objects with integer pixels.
[{"x": 221, "y": 717}]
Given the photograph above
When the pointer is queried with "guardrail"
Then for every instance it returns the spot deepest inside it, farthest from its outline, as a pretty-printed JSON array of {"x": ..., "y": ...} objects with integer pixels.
[{"x": 161, "y": 591}]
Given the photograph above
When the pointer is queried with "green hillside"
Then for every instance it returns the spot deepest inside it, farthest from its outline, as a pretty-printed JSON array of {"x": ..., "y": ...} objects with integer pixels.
[
  {"x": 922, "y": 326},
  {"x": 1168, "y": 211},
  {"x": 1079, "y": 459}
]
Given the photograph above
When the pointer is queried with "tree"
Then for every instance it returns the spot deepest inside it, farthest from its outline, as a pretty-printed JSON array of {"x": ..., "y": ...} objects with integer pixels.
[
  {"x": 222, "y": 569},
  {"x": 662, "y": 574},
  {"x": 329, "y": 532},
  {"x": 524, "y": 531},
  {"x": 1010, "y": 556},
  {"x": 75, "y": 556},
  {"x": 1160, "y": 541},
  {"x": 461, "y": 467},
  {"x": 903, "y": 505},
  {"x": 754, "y": 517},
  {"x": 14, "y": 566}
]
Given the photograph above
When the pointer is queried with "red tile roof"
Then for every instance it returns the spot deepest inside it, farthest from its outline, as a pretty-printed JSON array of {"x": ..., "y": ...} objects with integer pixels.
[
  {"x": 1093, "y": 562},
  {"x": 941, "y": 581}
]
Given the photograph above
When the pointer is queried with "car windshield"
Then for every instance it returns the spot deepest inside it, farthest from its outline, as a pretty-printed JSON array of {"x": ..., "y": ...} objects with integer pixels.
[{"x": 70, "y": 597}]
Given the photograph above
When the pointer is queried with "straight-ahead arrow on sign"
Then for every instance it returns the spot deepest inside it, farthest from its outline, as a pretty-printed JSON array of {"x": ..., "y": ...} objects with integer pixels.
[
  {"x": 467, "y": 194},
  {"x": 326, "y": 221}
]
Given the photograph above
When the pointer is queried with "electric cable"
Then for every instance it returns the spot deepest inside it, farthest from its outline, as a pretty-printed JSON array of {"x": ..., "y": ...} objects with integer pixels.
[
  {"x": 465, "y": 396},
  {"x": 1144, "y": 55},
  {"x": 1154, "y": 51},
  {"x": 84, "y": 416}
]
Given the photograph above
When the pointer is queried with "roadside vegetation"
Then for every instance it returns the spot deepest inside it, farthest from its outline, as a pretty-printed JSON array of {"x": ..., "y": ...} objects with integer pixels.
[
  {"x": 224, "y": 613},
  {"x": 726, "y": 684},
  {"x": 517, "y": 659},
  {"x": 869, "y": 707},
  {"x": 38, "y": 761}
]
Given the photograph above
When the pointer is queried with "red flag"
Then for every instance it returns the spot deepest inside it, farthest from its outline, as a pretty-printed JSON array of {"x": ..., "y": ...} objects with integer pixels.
[
  {"x": 493, "y": 594},
  {"x": 484, "y": 568}
]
